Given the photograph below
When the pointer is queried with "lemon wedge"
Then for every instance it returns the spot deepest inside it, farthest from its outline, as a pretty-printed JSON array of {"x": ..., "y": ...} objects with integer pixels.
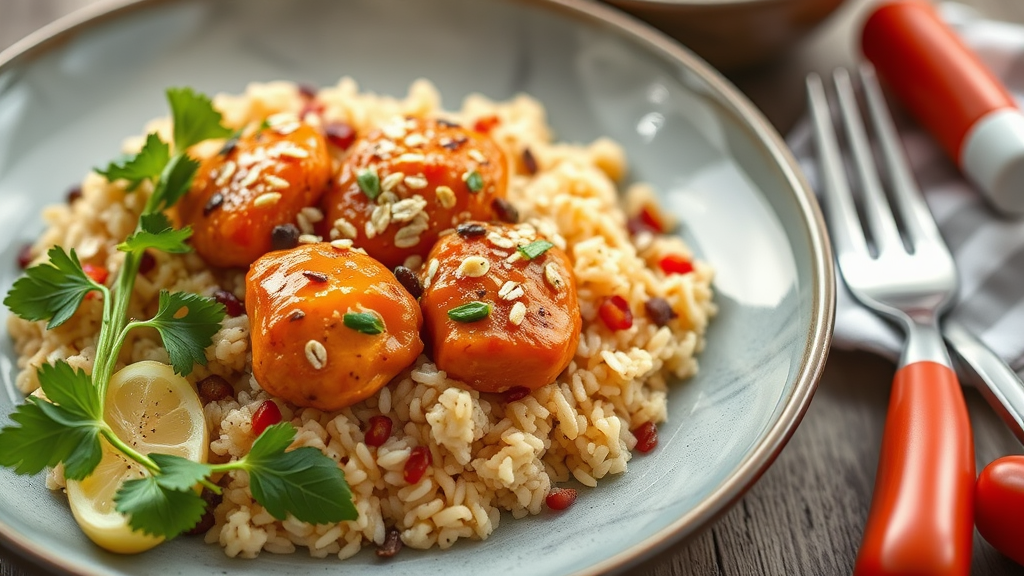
[{"x": 154, "y": 410}]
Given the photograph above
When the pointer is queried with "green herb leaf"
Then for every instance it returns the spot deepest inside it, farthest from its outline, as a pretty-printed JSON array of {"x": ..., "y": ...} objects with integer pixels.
[
  {"x": 535, "y": 248},
  {"x": 40, "y": 440},
  {"x": 147, "y": 164},
  {"x": 71, "y": 389},
  {"x": 304, "y": 482},
  {"x": 177, "y": 473},
  {"x": 194, "y": 118},
  {"x": 155, "y": 508},
  {"x": 474, "y": 181},
  {"x": 155, "y": 231},
  {"x": 174, "y": 183},
  {"x": 365, "y": 322},
  {"x": 470, "y": 312},
  {"x": 369, "y": 183},
  {"x": 186, "y": 335},
  {"x": 52, "y": 290}
]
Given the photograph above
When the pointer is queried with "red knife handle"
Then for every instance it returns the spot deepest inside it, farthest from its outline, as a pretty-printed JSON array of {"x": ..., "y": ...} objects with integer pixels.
[
  {"x": 921, "y": 519},
  {"x": 936, "y": 76}
]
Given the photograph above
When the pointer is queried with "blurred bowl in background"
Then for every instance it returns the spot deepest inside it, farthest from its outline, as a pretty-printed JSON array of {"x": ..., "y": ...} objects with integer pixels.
[{"x": 733, "y": 34}]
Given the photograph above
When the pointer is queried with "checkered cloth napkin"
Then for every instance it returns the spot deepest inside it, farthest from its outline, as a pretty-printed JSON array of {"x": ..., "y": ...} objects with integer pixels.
[{"x": 988, "y": 248}]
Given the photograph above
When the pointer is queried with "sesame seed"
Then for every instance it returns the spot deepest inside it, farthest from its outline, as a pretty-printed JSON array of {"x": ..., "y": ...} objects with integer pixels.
[
  {"x": 226, "y": 174},
  {"x": 411, "y": 158},
  {"x": 304, "y": 224},
  {"x": 553, "y": 276},
  {"x": 473, "y": 267},
  {"x": 387, "y": 198},
  {"x": 517, "y": 313},
  {"x": 431, "y": 270},
  {"x": 507, "y": 287},
  {"x": 408, "y": 236},
  {"x": 415, "y": 139},
  {"x": 268, "y": 199},
  {"x": 313, "y": 213},
  {"x": 477, "y": 155},
  {"x": 500, "y": 241},
  {"x": 391, "y": 180},
  {"x": 343, "y": 229},
  {"x": 310, "y": 239},
  {"x": 416, "y": 182},
  {"x": 514, "y": 257},
  {"x": 281, "y": 119},
  {"x": 286, "y": 129},
  {"x": 445, "y": 196},
  {"x": 413, "y": 262},
  {"x": 250, "y": 177},
  {"x": 394, "y": 130},
  {"x": 379, "y": 219},
  {"x": 385, "y": 148},
  {"x": 342, "y": 244},
  {"x": 316, "y": 354},
  {"x": 407, "y": 209},
  {"x": 293, "y": 152},
  {"x": 276, "y": 182}
]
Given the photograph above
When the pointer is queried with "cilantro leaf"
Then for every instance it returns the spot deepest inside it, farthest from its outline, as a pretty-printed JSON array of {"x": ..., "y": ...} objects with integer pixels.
[
  {"x": 186, "y": 336},
  {"x": 174, "y": 183},
  {"x": 365, "y": 322},
  {"x": 49, "y": 434},
  {"x": 155, "y": 508},
  {"x": 177, "y": 473},
  {"x": 52, "y": 290},
  {"x": 155, "y": 231},
  {"x": 303, "y": 482},
  {"x": 194, "y": 118},
  {"x": 534, "y": 249},
  {"x": 71, "y": 389},
  {"x": 148, "y": 163}
]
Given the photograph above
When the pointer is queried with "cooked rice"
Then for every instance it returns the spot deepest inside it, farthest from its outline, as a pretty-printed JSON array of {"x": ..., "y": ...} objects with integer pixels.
[{"x": 488, "y": 456}]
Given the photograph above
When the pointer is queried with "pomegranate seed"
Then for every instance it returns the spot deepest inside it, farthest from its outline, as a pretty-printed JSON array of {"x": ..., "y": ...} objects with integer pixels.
[
  {"x": 615, "y": 313},
  {"x": 213, "y": 388},
  {"x": 146, "y": 263},
  {"x": 74, "y": 194},
  {"x": 651, "y": 220},
  {"x": 486, "y": 124},
  {"x": 341, "y": 134},
  {"x": 517, "y": 393},
  {"x": 646, "y": 437},
  {"x": 265, "y": 416},
  {"x": 97, "y": 273},
  {"x": 636, "y": 225},
  {"x": 231, "y": 303},
  {"x": 675, "y": 264},
  {"x": 25, "y": 256},
  {"x": 378, "y": 430},
  {"x": 417, "y": 464},
  {"x": 560, "y": 498}
]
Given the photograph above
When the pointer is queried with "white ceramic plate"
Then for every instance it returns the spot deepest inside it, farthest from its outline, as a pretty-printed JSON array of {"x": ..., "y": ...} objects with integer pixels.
[{"x": 70, "y": 94}]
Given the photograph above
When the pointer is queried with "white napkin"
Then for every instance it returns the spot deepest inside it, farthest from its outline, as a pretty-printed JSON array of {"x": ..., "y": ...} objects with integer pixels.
[{"x": 988, "y": 248}]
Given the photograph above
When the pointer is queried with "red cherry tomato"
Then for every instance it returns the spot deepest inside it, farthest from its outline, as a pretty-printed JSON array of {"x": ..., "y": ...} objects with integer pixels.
[{"x": 999, "y": 506}]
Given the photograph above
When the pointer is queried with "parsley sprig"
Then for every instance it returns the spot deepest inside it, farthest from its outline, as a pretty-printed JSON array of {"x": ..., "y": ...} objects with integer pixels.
[{"x": 67, "y": 426}]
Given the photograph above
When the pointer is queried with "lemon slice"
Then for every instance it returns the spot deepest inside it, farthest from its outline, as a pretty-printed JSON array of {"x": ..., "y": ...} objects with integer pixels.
[{"x": 154, "y": 410}]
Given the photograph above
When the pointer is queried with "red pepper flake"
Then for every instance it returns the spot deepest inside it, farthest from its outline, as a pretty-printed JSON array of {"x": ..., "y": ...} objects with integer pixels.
[
  {"x": 74, "y": 194},
  {"x": 25, "y": 256},
  {"x": 515, "y": 394},
  {"x": 146, "y": 263},
  {"x": 615, "y": 313},
  {"x": 340, "y": 134},
  {"x": 646, "y": 437},
  {"x": 417, "y": 464},
  {"x": 214, "y": 388},
  {"x": 231, "y": 303},
  {"x": 529, "y": 162},
  {"x": 265, "y": 416},
  {"x": 378, "y": 430},
  {"x": 97, "y": 273},
  {"x": 486, "y": 124},
  {"x": 659, "y": 311},
  {"x": 318, "y": 277},
  {"x": 560, "y": 498},
  {"x": 675, "y": 264},
  {"x": 392, "y": 544}
]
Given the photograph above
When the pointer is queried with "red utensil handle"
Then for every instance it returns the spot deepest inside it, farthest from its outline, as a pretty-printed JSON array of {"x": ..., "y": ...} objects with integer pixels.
[{"x": 921, "y": 518}]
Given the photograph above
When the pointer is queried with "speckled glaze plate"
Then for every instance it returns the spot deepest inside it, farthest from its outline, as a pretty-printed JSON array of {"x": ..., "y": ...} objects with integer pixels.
[{"x": 72, "y": 92}]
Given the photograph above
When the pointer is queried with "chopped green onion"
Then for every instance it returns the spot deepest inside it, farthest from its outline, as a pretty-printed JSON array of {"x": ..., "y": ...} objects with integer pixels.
[
  {"x": 369, "y": 183},
  {"x": 470, "y": 312},
  {"x": 365, "y": 322},
  {"x": 535, "y": 248},
  {"x": 475, "y": 181}
]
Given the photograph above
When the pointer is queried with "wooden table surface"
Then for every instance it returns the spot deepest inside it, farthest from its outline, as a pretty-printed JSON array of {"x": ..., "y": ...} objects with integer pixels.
[{"x": 806, "y": 513}]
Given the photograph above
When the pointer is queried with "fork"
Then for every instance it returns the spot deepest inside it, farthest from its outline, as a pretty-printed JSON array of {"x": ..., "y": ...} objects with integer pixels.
[{"x": 921, "y": 516}]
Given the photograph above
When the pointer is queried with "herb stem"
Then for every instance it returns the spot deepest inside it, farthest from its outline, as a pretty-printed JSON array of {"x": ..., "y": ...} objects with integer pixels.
[
  {"x": 115, "y": 317},
  {"x": 127, "y": 450}
]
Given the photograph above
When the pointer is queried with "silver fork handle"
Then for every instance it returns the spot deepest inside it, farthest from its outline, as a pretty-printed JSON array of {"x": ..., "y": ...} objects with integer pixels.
[{"x": 996, "y": 381}]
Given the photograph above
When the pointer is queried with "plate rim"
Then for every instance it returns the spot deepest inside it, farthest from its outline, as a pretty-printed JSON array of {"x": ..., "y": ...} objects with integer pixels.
[{"x": 823, "y": 289}]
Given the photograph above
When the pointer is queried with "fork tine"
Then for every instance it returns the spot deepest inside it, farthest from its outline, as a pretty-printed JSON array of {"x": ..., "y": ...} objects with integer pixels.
[
  {"x": 847, "y": 234},
  {"x": 917, "y": 219},
  {"x": 876, "y": 205}
]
